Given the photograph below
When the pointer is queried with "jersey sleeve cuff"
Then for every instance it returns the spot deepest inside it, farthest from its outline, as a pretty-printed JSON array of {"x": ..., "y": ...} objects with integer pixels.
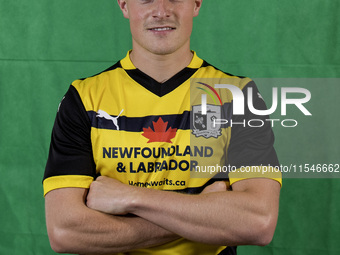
[
  {"x": 250, "y": 172},
  {"x": 66, "y": 181}
]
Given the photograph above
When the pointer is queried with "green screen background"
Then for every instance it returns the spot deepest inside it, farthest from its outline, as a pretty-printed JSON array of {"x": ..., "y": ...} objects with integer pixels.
[{"x": 45, "y": 45}]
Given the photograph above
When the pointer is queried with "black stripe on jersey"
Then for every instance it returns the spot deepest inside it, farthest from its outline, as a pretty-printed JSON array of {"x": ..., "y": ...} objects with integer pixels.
[
  {"x": 161, "y": 89},
  {"x": 206, "y": 64},
  {"x": 136, "y": 124},
  {"x": 115, "y": 66},
  {"x": 198, "y": 190},
  {"x": 230, "y": 250}
]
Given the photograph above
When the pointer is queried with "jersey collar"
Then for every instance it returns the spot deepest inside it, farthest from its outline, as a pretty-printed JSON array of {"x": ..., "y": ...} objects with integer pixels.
[
  {"x": 127, "y": 64},
  {"x": 160, "y": 89}
]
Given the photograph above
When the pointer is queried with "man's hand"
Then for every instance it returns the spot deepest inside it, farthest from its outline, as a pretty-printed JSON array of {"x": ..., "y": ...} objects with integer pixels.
[
  {"x": 113, "y": 197},
  {"x": 215, "y": 187},
  {"x": 110, "y": 196}
]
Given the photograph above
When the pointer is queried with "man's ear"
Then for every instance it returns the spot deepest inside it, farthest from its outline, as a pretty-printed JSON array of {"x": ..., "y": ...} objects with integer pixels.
[
  {"x": 198, "y": 4},
  {"x": 123, "y": 6}
]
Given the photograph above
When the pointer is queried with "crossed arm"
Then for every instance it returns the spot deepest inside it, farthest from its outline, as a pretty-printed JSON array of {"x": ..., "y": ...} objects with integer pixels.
[
  {"x": 75, "y": 228},
  {"x": 246, "y": 215}
]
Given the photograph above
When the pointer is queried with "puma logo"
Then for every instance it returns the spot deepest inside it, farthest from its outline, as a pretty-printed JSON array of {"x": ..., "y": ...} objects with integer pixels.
[
  {"x": 105, "y": 115},
  {"x": 60, "y": 103}
]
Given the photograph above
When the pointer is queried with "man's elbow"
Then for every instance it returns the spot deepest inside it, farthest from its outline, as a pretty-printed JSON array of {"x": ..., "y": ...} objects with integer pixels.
[
  {"x": 265, "y": 230},
  {"x": 61, "y": 240},
  {"x": 57, "y": 238},
  {"x": 259, "y": 232}
]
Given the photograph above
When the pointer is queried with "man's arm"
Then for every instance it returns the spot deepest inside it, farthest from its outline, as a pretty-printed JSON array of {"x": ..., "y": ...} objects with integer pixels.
[
  {"x": 245, "y": 216},
  {"x": 75, "y": 228},
  {"x": 72, "y": 226}
]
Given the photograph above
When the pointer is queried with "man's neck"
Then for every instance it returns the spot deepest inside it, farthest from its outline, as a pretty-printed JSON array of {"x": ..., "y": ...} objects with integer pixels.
[{"x": 161, "y": 67}]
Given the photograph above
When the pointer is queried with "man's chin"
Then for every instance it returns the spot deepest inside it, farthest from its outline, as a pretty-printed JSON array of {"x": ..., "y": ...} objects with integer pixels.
[{"x": 163, "y": 49}]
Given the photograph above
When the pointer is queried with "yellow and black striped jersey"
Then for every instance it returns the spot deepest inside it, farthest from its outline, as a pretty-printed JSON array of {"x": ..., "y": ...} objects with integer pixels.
[{"x": 124, "y": 124}]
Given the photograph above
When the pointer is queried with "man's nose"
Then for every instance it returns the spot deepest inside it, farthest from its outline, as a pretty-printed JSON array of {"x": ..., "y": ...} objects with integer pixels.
[{"x": 162, "y": 8}]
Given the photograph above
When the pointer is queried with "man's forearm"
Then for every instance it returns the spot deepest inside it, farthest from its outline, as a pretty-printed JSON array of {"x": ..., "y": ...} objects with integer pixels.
[
  {"x": 219, "y": 218},
  {"x": 83, "y": 230},
  {"x": 246, "y": 215}
]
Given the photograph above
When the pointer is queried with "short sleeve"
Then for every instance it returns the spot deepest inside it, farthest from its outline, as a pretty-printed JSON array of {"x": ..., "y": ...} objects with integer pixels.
[
  {"x": 70, "y": 161},
  {"x": 251, "y": 151}
]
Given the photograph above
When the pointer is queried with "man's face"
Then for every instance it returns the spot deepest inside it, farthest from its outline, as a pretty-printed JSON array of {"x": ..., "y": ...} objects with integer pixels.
[{"x": 160, "y": 26}]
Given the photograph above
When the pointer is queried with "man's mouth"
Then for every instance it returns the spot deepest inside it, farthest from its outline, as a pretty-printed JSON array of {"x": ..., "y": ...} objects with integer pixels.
[{"x": 162, "y": 29}]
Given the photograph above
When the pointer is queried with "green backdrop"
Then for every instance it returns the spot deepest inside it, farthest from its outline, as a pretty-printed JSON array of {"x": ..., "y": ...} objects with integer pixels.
[{"x": 45, "y": 45}]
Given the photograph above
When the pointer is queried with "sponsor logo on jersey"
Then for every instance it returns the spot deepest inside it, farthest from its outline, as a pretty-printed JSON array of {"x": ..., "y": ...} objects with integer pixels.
[
  {"x": 203, "y": 123},
  {"x": 60, "y": 103},
  {"x": 259, "y": 95},
  {"x": 105, "y": 115}
]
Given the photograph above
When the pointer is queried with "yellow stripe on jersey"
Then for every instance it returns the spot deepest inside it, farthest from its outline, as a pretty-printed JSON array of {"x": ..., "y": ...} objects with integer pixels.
[
  {"x": 66, "y": 181},
  {"x": 180, "y": 246},
  {"x": 250, "y": 172}
]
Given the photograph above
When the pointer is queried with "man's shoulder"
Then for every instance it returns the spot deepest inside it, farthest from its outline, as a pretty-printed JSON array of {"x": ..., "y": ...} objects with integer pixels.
[
  {"x": 98, "y": 80},
  {"x": 209, "y": 71},
  {"x": 228, "y": 74}
]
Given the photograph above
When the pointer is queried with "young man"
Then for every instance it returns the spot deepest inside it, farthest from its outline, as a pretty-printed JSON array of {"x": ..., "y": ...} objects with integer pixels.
[{"x": 130, "y": 126}]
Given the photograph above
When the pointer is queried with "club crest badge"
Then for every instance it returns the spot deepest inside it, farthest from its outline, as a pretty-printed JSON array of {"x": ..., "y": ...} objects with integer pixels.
[{"x": 204, "y": 125}]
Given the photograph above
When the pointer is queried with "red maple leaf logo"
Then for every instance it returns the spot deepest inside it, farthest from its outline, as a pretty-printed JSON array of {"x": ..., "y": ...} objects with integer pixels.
[{"x": 159, "y": 134}]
